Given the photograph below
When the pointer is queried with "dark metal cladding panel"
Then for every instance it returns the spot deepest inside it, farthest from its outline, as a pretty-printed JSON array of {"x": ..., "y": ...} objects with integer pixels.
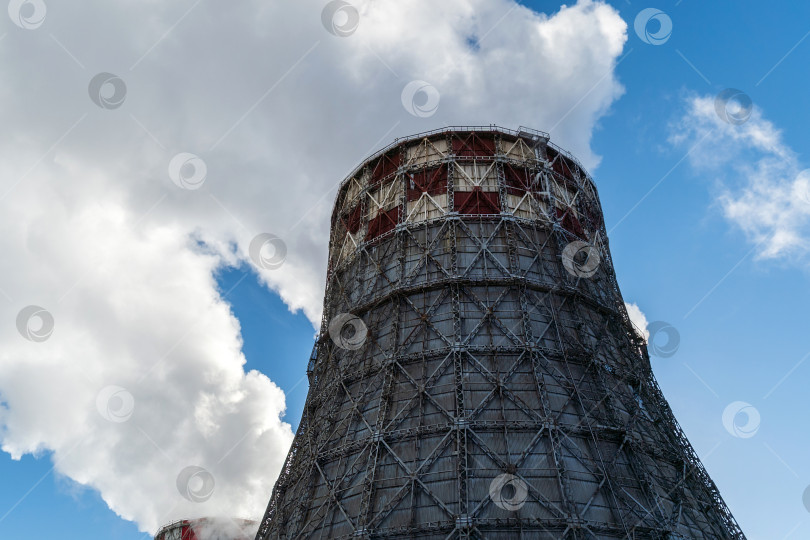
[{"x": 477, "y": 375}]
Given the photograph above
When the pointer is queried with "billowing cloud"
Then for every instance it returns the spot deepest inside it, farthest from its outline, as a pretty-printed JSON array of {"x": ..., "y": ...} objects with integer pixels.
[
  {"x": 638, "y": 319},
  {"x": 213, "y": 123},
  {"x": 224, "y": 528},
  {"x": 762, "y": 187}
]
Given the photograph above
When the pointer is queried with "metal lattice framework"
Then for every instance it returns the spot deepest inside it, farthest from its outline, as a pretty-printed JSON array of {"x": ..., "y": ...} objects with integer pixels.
[{"x": 500, "y": 391}]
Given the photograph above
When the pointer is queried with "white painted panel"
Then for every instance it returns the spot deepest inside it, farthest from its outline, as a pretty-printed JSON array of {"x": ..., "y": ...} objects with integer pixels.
[
  {"x": 518, "y": 150},
  {"x": 426, "y": 207},
  {"x": 526, "y": 206},
  {"x": 383, "y": 198},
  {"x": 468, "y": 175},
  {"x": 425, "y": 151}
]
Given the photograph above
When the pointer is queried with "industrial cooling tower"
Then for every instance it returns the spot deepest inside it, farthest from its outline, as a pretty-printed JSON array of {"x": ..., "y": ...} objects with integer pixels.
[{"x": 476, "y": 374}]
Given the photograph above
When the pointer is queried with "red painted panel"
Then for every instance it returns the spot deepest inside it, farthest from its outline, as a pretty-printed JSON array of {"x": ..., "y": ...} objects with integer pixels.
[
  {"x": 431, "y": 181},
  {"x": 561, "y": 164},
  {"x": 476, "y": 202},
  {"x": 570, "y": 223},
  {"x": 518, "y": 180},
  {"x": 352, "y": 220},
  {"x": 385, "y": 165},
  {"x": 188, "y": 533},
  {"x": 384, "y": 222},
  {"x": 475, "y": 144}
]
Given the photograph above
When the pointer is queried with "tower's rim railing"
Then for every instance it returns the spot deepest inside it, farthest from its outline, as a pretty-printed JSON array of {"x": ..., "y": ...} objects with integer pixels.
[{"x": 521, "y": 131}]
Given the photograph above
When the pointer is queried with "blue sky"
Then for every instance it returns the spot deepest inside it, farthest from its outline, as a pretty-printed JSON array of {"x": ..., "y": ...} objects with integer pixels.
[{"x": 742, "y": 318}]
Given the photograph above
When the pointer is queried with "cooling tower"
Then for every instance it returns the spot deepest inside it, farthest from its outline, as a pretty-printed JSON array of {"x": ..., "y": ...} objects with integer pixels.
[{"x": 476, "y": 374}]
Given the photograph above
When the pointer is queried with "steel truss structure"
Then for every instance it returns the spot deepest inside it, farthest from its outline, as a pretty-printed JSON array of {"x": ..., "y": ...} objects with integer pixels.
[{"x": 484, "y": 379}]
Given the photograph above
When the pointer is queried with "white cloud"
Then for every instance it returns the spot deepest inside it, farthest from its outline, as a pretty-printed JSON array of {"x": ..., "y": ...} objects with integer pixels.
[
  {"x": 638, "y": 319},
  {"x": 762, "y": 187},
  {"x": 95, "y": 231},
  {"x": 224, "y": 529}
]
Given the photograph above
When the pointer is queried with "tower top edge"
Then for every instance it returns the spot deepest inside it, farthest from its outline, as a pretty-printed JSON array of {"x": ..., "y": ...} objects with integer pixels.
[{"x": 533, "y": 135}]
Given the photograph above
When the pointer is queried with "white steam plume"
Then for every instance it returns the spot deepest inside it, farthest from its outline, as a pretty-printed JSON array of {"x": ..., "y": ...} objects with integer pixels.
[{"x": 139, "y": 392}]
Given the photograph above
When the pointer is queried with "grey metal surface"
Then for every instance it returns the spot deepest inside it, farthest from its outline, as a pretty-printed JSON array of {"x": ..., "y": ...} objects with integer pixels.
[{"x": 500, "y": 391}]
